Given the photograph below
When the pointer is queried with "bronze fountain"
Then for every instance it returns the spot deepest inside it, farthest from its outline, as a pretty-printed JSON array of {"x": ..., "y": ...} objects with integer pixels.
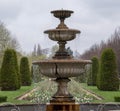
[{"x": 62, "y": 65}]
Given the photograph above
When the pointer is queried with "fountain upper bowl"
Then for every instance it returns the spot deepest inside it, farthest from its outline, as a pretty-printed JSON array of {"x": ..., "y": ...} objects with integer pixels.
[
  {"x": 62, "y": 13},
  {"x": 62, "y": 34},
  {"x": 65, "y": 68}
]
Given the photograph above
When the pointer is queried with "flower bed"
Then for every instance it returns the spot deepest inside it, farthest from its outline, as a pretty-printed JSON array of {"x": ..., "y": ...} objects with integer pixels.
[{"x": 47, "y": 88}]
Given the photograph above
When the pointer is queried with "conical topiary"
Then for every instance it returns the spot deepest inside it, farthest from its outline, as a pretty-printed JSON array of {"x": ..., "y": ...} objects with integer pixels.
[
  {"x": 25, "y": 72},
  {"x": 107, "y": 79},
  {"x": 8, "y": 77},
  {"x": 95, "y": 69},
  {"x": 17, "y": 69}
]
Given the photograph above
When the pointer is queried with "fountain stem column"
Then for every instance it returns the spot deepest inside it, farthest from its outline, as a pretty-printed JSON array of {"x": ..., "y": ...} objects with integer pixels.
[
  {"x": 62, "y": 53},
  {"x": 62, "y": 46},
  {"x": 62, "y": 94},
  {"x": 62, "y": 25},
  {"x": 62, "y": 100}
]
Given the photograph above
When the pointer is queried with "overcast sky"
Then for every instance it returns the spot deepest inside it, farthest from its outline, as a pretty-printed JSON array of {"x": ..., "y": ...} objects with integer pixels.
[{"x": 27, "y": 20}]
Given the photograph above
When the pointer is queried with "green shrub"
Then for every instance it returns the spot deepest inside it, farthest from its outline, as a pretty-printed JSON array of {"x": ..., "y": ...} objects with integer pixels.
[
  {"x": 81, "y": 78},
  {"x": 117, "y": 99},
  {"x": 108, "y": 79},
  {"x": 94, "y": 72},
  {"x": 8, "y": 75},
  {"x": 25, "y": 72},
  {"x": 17, "y": 69},
  {"x": 3, "y": 99},
  {"x": 89, "y": 75}
]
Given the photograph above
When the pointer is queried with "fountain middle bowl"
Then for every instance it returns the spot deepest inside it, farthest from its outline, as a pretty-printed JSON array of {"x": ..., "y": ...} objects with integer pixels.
[
  {"x": 62, "y": 34},
  {"x": 55, "y": 68}
]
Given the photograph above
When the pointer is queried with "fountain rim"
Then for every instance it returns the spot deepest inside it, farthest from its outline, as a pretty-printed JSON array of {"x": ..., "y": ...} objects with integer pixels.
[
  {"x": 63, "y": 61},
  {"x": 62, "y": 10},
  {"x": 62, "y": 30}
]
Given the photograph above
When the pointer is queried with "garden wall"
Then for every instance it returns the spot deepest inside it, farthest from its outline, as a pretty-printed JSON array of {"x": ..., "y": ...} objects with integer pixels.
[{"x": 42, "y": 107}]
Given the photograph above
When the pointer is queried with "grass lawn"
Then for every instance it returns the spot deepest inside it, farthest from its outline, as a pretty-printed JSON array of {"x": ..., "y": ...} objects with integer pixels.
[
  {"x": 108, "y": 96},
  {"x": 13, "y": 94}
]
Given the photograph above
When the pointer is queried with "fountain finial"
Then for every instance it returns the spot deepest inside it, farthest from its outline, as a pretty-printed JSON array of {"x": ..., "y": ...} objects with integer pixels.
[{"x": 62, "y": 15}]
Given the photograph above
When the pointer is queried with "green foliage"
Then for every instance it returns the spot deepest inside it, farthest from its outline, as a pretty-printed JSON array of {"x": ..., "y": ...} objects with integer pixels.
[
  {"x": 93, "y": 72},
  {"x": 13, "y": 95},
  {"x": 81, "y": 78},
  {"x": 6, "y": 41},
  {"x": 107, "y": 79},
  {"x": 95, "y": 69},
  {"x": 106, "y": 96},
  {"x": 117, "y": 98},
  {"x": 54, "y": 49},
  {"x": 3, "y": 99},
  {"x": 89, "y": 75},
  {"x": 17, "y": 69},
  {"x": 36, "y": 74},
  {"x": 8, "y": 77},
  {"x": 25, "y": 72}
]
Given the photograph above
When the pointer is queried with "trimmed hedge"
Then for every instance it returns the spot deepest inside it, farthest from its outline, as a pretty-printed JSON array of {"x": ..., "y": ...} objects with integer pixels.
[
  {"x": 25, "y": 72},
  {"x": 89, "y": 75},
  {"x": 92, "y": 77},
  {"x": 17, "y": 70},
  {"x": 95, "y": 69},
  {"x": 108, "y": 79},
  {"x": 117, "y": 99},
  {"x": 3, "y": 99},
  {"x": 8, "y": 75}
]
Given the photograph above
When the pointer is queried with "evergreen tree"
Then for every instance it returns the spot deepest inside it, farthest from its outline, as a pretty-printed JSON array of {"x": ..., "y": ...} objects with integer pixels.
[
  {"x": 8, "y": 77},
  {"x": 25, "y": 72},
  {"x": 17, "y": 69},
  {"x": 108, "y": 76},
  {"x": 39, "y": 51},
  {"x": 89, "y": 75},
  {"x": 34, "y": 51},
  {"x": 95, "y": 69}
]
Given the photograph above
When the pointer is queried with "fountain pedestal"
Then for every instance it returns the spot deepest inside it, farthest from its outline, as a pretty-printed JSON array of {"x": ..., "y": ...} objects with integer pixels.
[
  {"x": 62, "y": 94},
  {"x": 62, "y": 100}
]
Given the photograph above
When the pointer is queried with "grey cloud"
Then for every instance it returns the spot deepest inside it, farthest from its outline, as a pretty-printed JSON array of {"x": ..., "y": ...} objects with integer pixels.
[
  {"x": 106, "y": 8},
  {"x": 97, "y": 19},
  {"x": 9, "y": 9}
]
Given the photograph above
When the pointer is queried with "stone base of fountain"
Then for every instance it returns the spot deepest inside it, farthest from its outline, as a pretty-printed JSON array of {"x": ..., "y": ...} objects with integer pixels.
[
  {"x": 63, "y": 107},
  {"x": 62, "y": 95},
  {"x": 62, "y": 100}
]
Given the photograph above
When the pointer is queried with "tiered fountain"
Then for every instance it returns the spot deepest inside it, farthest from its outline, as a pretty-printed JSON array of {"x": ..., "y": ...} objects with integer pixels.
[{"x": 62, "y": 65}]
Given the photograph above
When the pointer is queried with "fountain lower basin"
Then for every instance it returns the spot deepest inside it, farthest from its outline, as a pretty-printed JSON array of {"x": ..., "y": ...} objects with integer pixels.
[{"x": 62, "y": 68}]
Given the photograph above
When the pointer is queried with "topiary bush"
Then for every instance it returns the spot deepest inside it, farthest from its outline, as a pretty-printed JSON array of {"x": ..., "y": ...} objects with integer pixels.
[
  {"x": 3, "y": 99},
  {"x": 17, "y": 69},
  {"x": 117, "y": 99},
  {"x": 8, "y": 75},
  {"x": 95, "y": 70},
  {"x": 25, "y": 72},
  {"x": 108, "y": 79},
  {"x": 89, "y": 75}
]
